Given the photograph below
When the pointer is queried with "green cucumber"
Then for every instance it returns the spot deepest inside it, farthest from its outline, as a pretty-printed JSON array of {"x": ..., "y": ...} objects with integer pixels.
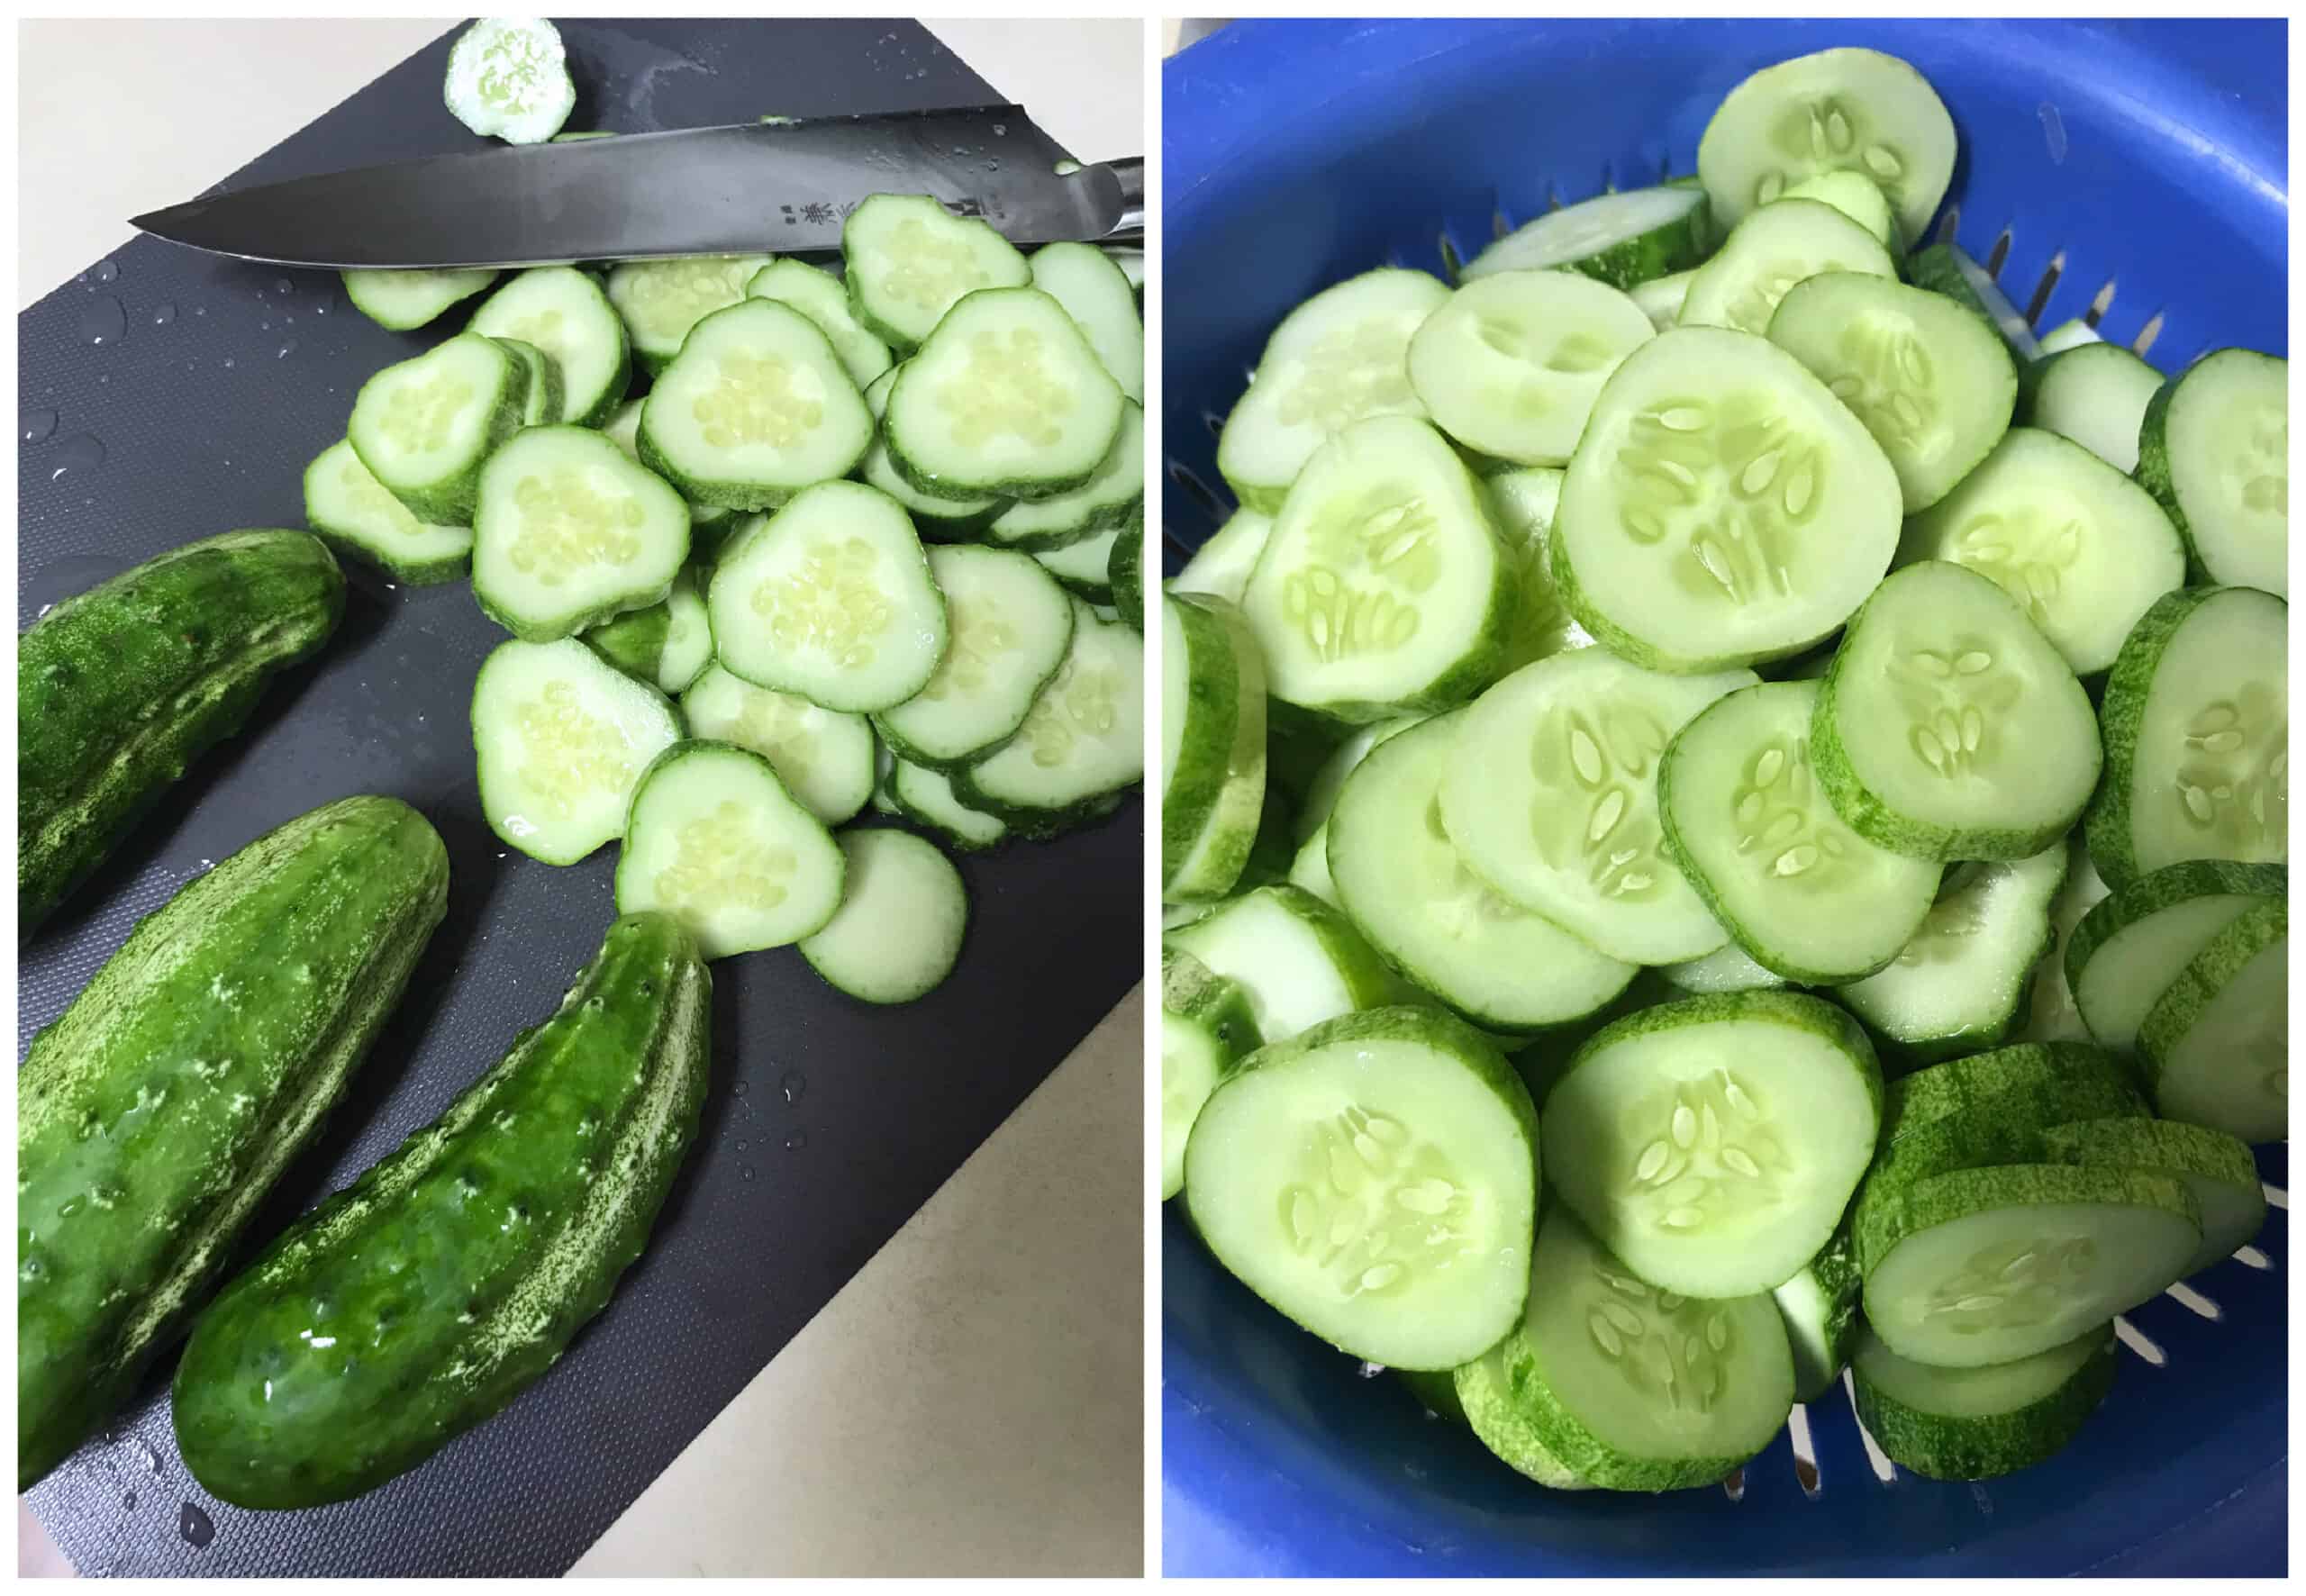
[
  {"x": 2096, "y": 394},
  {"x": 1009, "y": 625},
  {"x": 1510, "y": 364},
  {"x": 1661, "y": 298},
  {"x": 2216, "y": 1167},
  {"x": 934, "y": 516},
  {"x": 563, "y": 312},
  {"x": 1221, "y": 566},
  {"x": 1125, "y": 574},
  {"x": 1856, "y": 196},
  {"x": 898, "y": 932},
  {"x": 2125, "y": 951},
  {"x": 353, "y": 513},
  {"x": 823, "y": 757},
  {"x": 1978, "y": 1424},
  {"x": 119, "y": 688},
  {"x": 2218, "y": 1038},
  {"x": 426, "y": 426},
  {"x": 1947, "y": 269},
  {"x": 1206, "y": 1029},
  {"x": 925, "y": 796},
  {"x": 1096, "y": 294},
  {"x": 669, "y": 645},
  {"x": 1329, "y": 777},
  {"x": 2214, "y": 448},
  {"x": 2051, "y": 1014},
  {"x": 1819, "y": 1308},
  {"x": 819, "y": 295},
  {"x": 1624, "y": 239},
  {"x": 1783, "y": 243},
  {"x": 1310, "y": 869},
  {"x": 1731, "y": 968},
  {"x": 1299, "y": 961},
  {"x": 1083, "y": 742},
  {"x": 404, "y": 301},
  {"x": 430, "y": 1293},
  {"x": 568, "y": 532},
  {"x": 1212, "y": 746},
  {"x": 155, "y": 1114},
  {"x": 661, "y": 300},
  {"x": 1112, "y": 498},
  {"x": 545, "y": 396},
  {"x": 908, "y": 262}
]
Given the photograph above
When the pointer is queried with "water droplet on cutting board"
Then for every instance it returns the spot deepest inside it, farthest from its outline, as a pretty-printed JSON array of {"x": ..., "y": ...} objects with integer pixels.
[
  {"x": 107, "y": 271},
  {"x": 102, "y": 321},
  {"x": 738, "y": 1089},
  {"x": 740, "y": 1145},
  {"x": 287, "y": 349},
  {"x": 38, "y": 425},
  {"x": 797, "y": 1142},
  {"x": 163, "y": 313},
  {"x": 81, "y": 452},
  {"x": 128, "y": 1500},
  {"x": 227, "y": 363},
  {"x": 195, "y": 1527},
  {"x": 284, "y": 286},
  {"x": 792, "y": 1085},
  {"x": 745, "y": 1170}
]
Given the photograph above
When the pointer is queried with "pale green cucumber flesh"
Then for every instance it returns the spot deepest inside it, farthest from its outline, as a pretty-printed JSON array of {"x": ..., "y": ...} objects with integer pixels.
[
  {"x": 898, "y": 932},
  {"x": 1510, "y": 364},
  {"x": 1212, "y": 746},
  {"x": 1299, "y": 961},
  {"x": 823, "y": 757},
  {"x": 562, "y": 737},
  {"x": 1978, "y": 1424},
  {"x": 1206, "y": 1029},
  {"x": 2219, "y": 1037}
]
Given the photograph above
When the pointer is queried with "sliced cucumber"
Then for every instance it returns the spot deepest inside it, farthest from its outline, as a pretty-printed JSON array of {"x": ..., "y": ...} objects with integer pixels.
[
  {"x": 1623, "y": 240},
  {"x": 1009, "y": 625},
  {"x": 563, "y": 313},
  {"x": 508, "y": 78},
  {"x": 1206, "y": 1029},
  {"x": 933, "y": 515},
  {"x": 1949, "y": 727},
  {"x": 1404, "y": 886},
  {"x": 1946, "y": 268},
  {"x": 1298, "y": 960},
  {"x": 668, "y": 644},
  {"x": 1856, "y": 110},
  {"x": 832, "y": 598},
  {"x": 2125, "y": 952},
  {"x": 661, "y": 300},
  {"x": 1383, "y": 587},
  {"x": 1935, "y": 388},
  {"x": 1980, "y": 1267},
  {"x": 1978, "y": 1424},
  {"x": 1959, "y": 986},
  {"x": 824, "y": 757},
  {"x": 908, "y": 261},
  {"x": 1083, "y": 742},
  {"x": 1661, "y": 298},
  {"x": 404, "y": 301},
  {"x": 1728, "y": 968},
  {"x": 353, "y": 512},
  {"x": 541, "y": 405},
  {"x": 1723, "y": 508},
  {"x": 1525, "y": 501},
  {"x": 1339, "y": 358},
  {"x": 925, "y": 797},
  {"x": 1984, "y": 1100},
  {"x": 1311, "y": 868},
  {"x": 2196, "y": 723},
  {"x": 1745, "y": 820},
  {"x": 755, "y": 407},
  {"x": 1819, "y": 1308},
  {"x": 1212, "y": 746},
  {"x": 2096, "y": 395},
  {"x": 1125, "y": 574},
  {"x": 1506, "y": 1426},
  {"x": 708, "y": 524},
  {"x": 1374, "y": 1180},
  {"x": 1322, "y": 790},
  {"x": 897, "y": 933},
  {"x": 1113, "y": 497},
  {"x": 2219, "y": 1037},
  {"x": 1856, "y": 196},
  {"x": 1767, "y": 253},
  {"x": 2079, "y": 546},
  {"x": 423, "y": 427},
  {"x": 1713, "y": 1143},
  {"x": 716, "y": 841},
  {"x": 2068, "y": 335},
  {"x": 562, "y": 737},
  {"x": 1085, "y": 568},
  {"x": 1510, "y": 365},
  {"x": 1221, "y": 568},
  {"x": 819, "y": 295},
  {"x": 1624, "y": 1385},
  {"x": 568, "y": 532},
  {"x": 2214, "y": 448},
  {"x": 2051, "y": 1015},
  {"x": 1097, "y": 295},
  {"x": 2216, "y": 1167}
]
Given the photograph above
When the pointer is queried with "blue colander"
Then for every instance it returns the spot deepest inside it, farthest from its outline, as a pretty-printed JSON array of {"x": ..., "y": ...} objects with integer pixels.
[{"x": 2132, "y": 172}]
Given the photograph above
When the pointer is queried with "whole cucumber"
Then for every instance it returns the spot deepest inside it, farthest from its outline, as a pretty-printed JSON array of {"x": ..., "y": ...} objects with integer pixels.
[
  {"x": 428, "y": 1294},
  {"x": 121, "y": 687},
  {"x": 153, "y": 1115}
]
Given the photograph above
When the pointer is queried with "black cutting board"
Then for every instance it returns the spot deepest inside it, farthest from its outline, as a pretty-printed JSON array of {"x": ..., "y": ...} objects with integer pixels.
[{"x": 829, "y": 1121}]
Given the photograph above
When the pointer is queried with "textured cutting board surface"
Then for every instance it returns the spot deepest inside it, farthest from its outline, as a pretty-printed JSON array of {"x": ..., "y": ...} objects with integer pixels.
[{"x": 175, "y": 396}]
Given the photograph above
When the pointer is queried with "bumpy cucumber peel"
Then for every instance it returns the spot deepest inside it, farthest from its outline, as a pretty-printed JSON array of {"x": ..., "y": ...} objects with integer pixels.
[
  {"x": 2150, "y": 894},
  {"x": 1985, "y": 1445}
]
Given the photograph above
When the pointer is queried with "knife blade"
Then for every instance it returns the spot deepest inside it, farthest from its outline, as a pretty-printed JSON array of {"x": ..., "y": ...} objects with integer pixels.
[{"x": 751, "y": 187}]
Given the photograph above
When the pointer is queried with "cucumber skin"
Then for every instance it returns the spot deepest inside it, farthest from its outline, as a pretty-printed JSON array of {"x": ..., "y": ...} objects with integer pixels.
[
  {"x": 1986, "y": 1446},
  {"x": 450, "y": 501},
  {"x": 1197, "y": 789},
  {"x": 421, "y": 573},
  {"x": 2157, "y": 890},
  {"x": 1836, "y": 1271},
  {"x": 946, "y": 834},
  {"x": 2105, "y": 823},
  {"x": 1927, "y": 1095},
  {"x": 2153, "y": 473},
  {"x": 1124, "y": 572},
  {"x": 612, "y": 394},
  {"x": 355, "y": 284},
  {"x": 634, "y": 641},
  {"x": 1915, "y": 1051},
  {"x": 1941, "y": 1199},
  {"x": 2175, "y": 1012},
  {"x": 121, "y": 687},
  {"x": 314, "y": 929},
  {"x": 408, "y": 1244}
]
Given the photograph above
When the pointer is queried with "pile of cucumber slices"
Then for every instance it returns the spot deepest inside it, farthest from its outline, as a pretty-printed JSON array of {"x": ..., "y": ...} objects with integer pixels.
[{"x": 1724, "y": 819}]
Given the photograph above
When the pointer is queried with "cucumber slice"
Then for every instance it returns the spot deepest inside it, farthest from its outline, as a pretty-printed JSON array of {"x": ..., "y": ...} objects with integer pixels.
[
  {"x": 2051, "y": 1014},
  {"x": 908, "y": 261},
  {"x": 661, "y": 300},
  {"x": 1112, "y": 498},
  {"x": 2196, "y": 723},
  {"x": 2079, "y": 546},
  {"x": 1856, "y": 110},
  {"x": 1728, "y": 968},
  {"x": 1341, "y": 357},
  {"x": 568, "y": 532},
  {"x": 404, "y": 301},
  {"x": 1770, "y": 252},
  {"x": 1947, "y": 269},
  {"x": 1299, "y": 961},
  {"x": 1506, "y": 1427},
  {"x": 1083, "y": 742},
  {"x": 1097, "y": 295},
  {"x": 897, "y": 933},
  {"x": 1525, "y": 503},
  {"x": 1934, "y": 387},
  {"x": 2214, "y": 448},
  {"x": 2068, "y": 335},
  {"x": 1818, "y": 1307},
  {"x": 1723, "y": 508},
  {"x": 352, "y": 513},
  {"x": 1401, "y": 1132},
  {"x": 824, "y": 757},
  {"x": 1622, "y": 240},
  {"x": 832, "y": 598},
  {"x": 2096, "y": 395},
  {"x": 1858, "y": 197},
  {"x": 1949, "y": 727},
  {"x": 1745, "y": 820},
  {"x": 1311, "y": 868},
  {"x": 563, "y": 312},
  {"x": 1552, "y": 800},
  {"x": 1405, "y": 888},
  {"x": 1130, "y": 259},
  {"x": 1125, "y": 573},
  {"x": 755, "y": 408},
  {"x": 2125, "y": 951},
  {"x": 2216, "y": 1167},
  {"x": 1959, "y": 985},
  {"x": 1212, "y": 746},
  {"x": 1328, "y": 779},
  {"x": 1713, "y": 1143},
  {"x": 1980, "y": 1267},
  {"x": 562, "y": 738},
  {"x": 925, "y": 797},
  {"x": 508, "y": 78},
  {"x": 1009, "y": 625},
  {"x": 1978, "y": 1424},
  {"x": 1383, "y": 587},
  {"x": 934, "y": 516},
  {"x": 2219, "y": 1037},
  {"x": 1510, "y": 365},
  {"x": 708, "y": 524},
  {"x": 424, "y": 426},
  {"x": 1085, "y": 568},
  {"x": 716, "y": 841},
  {"x": 819, "y": 295},
  {"x": 668, "y": 644},
  {"x": 1624, "y": 1385},
  {"x": 1661, "y": 298},
  {"x": 1206, "y": 1029},
  {"x": 1984, "y": 1100},
  {"x": 1221, "y": 568},
  {"x": 541, "y": 405}
]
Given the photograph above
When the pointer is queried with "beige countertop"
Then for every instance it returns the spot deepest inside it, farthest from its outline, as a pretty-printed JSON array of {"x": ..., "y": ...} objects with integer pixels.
[{"x": 1011, "y": 1443}]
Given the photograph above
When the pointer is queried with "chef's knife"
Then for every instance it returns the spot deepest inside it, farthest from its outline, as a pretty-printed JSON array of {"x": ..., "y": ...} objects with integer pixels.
[{"x": 774, "y": 186}]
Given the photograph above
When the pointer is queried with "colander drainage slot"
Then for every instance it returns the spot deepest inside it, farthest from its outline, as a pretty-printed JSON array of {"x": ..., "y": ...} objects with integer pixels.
[
  {"x": 2274, "y": 1194},
  {"x": 2099, "y": 306},
  {"x": 2141, "y": 1343},
  {"x": 1805, "y": 1450},
  {"x": 1878, "y": 1460},
  {"x": 1948, "y": 222},
  {"x": 2045, "y": 288},
  {"x": 2250, "y": 1258},
  {"x": 2196, "y": 1302},
  {"x": 1998, "y": 257},
  {"x": 1734, "y": 1487},
  {"x": 2145, "y": 341},
  {"x": 1196, "y": 490}
]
